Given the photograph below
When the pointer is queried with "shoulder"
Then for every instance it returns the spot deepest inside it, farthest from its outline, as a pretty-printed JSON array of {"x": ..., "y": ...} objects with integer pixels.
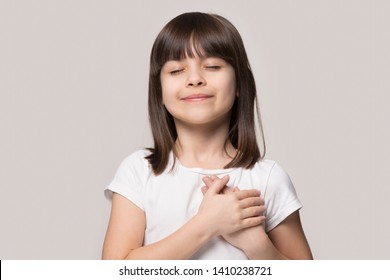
[
  {"x": 130, "y": 178},
  {"x": 280, "y": 195},
  {"x": 274, "y": 178},
  {"x": 138, "y": 155},
  {"x": 135, "y": 164},
  {"x": 272, "y": 170},
  {"x": 136, "y": 159},
  {"x": 264, "y": 165}
]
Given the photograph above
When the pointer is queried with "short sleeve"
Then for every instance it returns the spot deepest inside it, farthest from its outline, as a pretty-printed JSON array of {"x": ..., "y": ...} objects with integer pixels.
[
  {"x": 127, "y": 182},
  {"x": 280, "y": 197}
]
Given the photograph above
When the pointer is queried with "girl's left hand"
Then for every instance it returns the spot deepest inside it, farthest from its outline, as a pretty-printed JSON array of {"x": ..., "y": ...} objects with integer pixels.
[{"x": 247, "y": 239}]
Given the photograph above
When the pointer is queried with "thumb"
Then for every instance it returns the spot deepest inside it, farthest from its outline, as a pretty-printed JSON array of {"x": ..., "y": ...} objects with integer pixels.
[{"x": 217, "y": 185}]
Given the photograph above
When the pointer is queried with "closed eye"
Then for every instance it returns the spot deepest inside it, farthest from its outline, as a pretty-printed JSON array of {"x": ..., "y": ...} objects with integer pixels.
[
  {"x": 213, "y": 67},
  {"x": 175, "y": 72}
]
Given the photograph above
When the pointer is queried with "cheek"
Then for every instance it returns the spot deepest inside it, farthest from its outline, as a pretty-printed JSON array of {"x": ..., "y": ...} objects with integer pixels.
[
  {"x": 233, "y": 82},
  {"x": 231, "y": 90},
  {"x": 230, "y": 79},
  {"x": 169, "y": 88},
  {"x": 166, "y": 91},
  {"x": 230, "y": 86},
  {"x": 167, "y": 96}
]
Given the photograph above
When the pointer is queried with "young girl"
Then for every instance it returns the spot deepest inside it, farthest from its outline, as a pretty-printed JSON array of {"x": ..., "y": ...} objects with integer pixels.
[{"x": 204, "y": 191}]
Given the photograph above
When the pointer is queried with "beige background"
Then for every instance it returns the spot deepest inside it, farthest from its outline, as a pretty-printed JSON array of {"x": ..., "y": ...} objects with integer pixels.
[{"x": 73, "y": 84}]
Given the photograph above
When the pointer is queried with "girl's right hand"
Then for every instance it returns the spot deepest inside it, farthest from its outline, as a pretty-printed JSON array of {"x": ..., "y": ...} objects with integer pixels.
[{"x": 229, "y": 212}]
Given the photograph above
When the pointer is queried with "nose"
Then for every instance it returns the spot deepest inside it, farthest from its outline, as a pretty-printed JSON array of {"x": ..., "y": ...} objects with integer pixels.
[{"x": 195, "y": 79}]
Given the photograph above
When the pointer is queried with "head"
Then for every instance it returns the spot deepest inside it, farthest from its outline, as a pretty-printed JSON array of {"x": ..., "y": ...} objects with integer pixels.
[{"x": 203, "y": 35}]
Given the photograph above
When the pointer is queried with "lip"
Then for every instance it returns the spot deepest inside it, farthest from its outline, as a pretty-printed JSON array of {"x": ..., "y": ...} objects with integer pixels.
[{"x": 197, "y": 97}]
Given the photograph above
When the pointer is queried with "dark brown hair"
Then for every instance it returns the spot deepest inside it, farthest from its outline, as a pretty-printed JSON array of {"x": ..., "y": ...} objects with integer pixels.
[{"x": 207, "y": 35}]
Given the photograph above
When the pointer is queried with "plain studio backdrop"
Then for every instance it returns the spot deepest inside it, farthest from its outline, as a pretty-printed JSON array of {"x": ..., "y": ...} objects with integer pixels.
[{"x": 73, "y": 104}]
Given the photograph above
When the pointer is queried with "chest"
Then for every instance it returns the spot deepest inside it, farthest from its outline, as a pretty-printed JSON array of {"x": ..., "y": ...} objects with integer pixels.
[{"x": 170, "y": 201}]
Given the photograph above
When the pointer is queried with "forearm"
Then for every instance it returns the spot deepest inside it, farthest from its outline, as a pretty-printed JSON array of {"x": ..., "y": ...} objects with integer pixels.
[
  {"x": 182, "y": 244},
  {"x": 265, "y": 250},
  {"x": 273, "y": 247}
]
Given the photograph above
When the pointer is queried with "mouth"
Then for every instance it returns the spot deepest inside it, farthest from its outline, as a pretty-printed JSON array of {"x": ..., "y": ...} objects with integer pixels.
[{"x": 196, "y": 97}]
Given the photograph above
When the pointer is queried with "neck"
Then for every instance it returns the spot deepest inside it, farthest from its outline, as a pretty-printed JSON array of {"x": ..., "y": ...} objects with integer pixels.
[{"x": 205, "y": 146}]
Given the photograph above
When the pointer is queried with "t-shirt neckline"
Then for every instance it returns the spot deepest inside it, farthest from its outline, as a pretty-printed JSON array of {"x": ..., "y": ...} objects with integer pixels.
[{"x": 203, "y": 170}]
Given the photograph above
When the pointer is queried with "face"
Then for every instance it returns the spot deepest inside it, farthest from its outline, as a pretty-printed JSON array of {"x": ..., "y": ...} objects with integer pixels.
[{"x": 198, "y": 90}]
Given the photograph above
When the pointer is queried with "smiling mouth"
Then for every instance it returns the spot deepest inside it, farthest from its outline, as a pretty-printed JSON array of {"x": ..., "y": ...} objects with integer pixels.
[{"x": 197, "y": 97}]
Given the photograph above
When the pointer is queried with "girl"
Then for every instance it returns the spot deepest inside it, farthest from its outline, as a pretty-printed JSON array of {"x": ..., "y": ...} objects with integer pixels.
[{"x": 204, "y": 191}]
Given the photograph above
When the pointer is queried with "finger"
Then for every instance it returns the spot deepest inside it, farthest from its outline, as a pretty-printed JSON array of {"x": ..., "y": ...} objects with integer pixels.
[
  {"x": 217, "y": 185},
  {"x": 207, "y": 180},
  {"x": 241, "y": 194},
  {"x": 226, "y": 190},
  {"x": 253, "y": 211},
  {"x": 262, "y": 201},
  {"x": 204, "y": 189},
  {"x": 236, "y": 189},
  {"x": 252, "y": 222},
  {"x": 251, "y": 201}
]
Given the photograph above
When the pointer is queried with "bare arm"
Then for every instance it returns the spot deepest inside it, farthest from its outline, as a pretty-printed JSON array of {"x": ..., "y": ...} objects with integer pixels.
[
  {"x": 286, "y": 241},
  {"x": 218, "y": 214},
  {"x": 125, "y": 236}
]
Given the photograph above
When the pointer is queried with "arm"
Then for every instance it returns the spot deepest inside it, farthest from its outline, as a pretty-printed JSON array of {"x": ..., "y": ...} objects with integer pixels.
[
  {"x": 218, "y": 214},
  {"x": 126, "y": 229},
  {"x": 286, "y": 241}
]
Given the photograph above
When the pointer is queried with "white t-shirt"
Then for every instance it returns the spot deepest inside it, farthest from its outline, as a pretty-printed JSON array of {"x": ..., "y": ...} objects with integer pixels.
[{"x": 169, "y": 200}]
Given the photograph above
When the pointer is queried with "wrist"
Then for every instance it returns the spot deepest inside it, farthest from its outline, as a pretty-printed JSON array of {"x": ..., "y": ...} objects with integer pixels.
[
  {"x": 254, "y": 250},
  {"x": 205, "y": 230},
  {"x": 265, "y": 250}
]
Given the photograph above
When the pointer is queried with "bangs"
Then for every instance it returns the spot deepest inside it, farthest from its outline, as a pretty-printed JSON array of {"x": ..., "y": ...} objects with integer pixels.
[{"x": 197, "y": 35}]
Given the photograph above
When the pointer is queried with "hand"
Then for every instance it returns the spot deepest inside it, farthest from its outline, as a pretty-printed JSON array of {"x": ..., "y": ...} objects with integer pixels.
[
  {"x": 229, "y": 212},
  {"x": 246, "y": 239}
]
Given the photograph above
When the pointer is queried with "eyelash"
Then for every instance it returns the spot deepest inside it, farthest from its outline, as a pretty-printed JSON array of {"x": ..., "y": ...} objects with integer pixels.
[
  {"x": 175, "y": 72},
  {"x": 212, "y": 67}
]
